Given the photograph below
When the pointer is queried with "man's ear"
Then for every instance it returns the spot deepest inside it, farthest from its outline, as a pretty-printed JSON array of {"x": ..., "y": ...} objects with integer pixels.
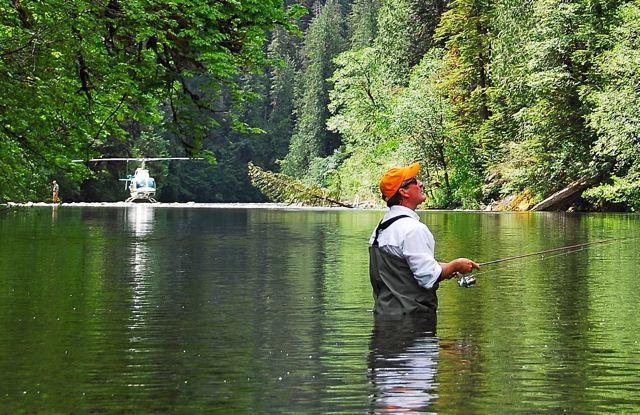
[{"x": 402, "y": 192}]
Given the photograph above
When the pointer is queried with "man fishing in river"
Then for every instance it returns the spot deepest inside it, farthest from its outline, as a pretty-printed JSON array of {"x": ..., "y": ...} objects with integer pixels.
[{"x": 404, "y": 272}]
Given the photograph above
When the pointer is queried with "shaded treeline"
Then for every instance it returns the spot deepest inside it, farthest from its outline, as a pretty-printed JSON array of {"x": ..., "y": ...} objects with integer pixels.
[
  {"x": 82, "y": 79},
  {"x": 494, "y": 98}
]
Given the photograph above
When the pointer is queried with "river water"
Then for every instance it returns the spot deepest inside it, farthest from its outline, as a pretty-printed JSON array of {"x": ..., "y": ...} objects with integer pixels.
[{"x": 148, "y": 309}]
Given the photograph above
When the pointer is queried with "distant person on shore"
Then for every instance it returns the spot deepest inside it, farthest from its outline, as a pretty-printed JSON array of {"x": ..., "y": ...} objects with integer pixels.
[
  {"x": 56, "y": 189},
  {"x": 402, "y": 266}
]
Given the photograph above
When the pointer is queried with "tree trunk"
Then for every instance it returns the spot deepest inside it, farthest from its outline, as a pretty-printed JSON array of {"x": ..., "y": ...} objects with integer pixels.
[{"x": 560, "y": 197}]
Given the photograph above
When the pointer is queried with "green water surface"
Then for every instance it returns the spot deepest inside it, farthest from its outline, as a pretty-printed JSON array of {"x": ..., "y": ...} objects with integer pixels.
[{"x": 150, "y": 309}]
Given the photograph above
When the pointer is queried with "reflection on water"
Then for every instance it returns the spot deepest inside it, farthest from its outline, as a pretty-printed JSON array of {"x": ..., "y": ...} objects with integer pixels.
[
  {"x": 140, "y": 218},
  {"x": 145, "y": 309},
  {"x": 403, "y": 364},
  {"x": 54, "y": 214}
]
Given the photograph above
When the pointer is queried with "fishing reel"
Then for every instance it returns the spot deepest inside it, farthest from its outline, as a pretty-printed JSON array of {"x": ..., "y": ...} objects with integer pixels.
[{"x": 466, "y": 281}]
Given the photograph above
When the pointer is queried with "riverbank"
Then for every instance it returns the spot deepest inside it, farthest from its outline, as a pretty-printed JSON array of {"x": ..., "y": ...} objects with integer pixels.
[
  {"x": 177, "y": 205},
  {"x": 510, "y": 205}
]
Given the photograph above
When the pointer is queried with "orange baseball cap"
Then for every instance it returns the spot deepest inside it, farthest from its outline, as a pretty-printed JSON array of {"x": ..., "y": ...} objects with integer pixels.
[{"x": 393, "y": 178}]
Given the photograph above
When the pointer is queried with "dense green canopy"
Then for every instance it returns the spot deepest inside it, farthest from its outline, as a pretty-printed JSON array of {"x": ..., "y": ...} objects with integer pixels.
[
  {"x": 497, "y": 99},
  {"x": 76, "y": 75}
]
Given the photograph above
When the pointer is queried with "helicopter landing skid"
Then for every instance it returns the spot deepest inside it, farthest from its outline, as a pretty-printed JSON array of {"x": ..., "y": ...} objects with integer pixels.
[{"x": 134, "y": 198}]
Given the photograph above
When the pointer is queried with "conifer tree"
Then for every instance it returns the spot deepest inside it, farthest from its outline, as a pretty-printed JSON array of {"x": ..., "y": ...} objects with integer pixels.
[
  {"x": 362, "y": 23},
  {"x": 283, "y": 50},
  {"x": 405, "y": 33},
  {"x": 395, "y": 42},
  {"x": 324, "y": 40},
  {"x": 464, "y": 29}
]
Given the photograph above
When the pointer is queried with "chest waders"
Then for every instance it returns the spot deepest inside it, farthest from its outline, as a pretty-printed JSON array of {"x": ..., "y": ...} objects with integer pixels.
[{"x": 395, "y": 290}]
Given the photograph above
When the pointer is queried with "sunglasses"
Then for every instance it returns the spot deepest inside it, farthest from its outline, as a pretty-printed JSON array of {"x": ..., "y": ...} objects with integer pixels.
[{"x": 409, "y": 182}]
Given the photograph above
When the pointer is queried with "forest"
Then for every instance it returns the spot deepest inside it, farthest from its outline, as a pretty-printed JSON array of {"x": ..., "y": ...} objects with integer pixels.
[{"x": 503, "y": 102}]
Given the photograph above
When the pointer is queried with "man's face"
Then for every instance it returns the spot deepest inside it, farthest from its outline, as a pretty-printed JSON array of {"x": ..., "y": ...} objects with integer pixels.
[{"x": 412, "y": 192}]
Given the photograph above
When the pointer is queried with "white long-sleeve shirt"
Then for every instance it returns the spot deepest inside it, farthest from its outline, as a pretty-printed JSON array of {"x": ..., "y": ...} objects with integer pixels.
[{"x": 412, "y": 240}]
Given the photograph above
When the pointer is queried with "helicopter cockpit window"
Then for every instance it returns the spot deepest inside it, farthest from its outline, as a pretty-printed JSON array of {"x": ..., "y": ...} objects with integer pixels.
[{"x": 149, "y": 182}]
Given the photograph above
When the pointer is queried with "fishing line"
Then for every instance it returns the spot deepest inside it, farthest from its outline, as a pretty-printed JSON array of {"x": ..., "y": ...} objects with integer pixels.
[
  {"x": 542, "y": 258},
  {"x": 470, "y": 280},
  {"x": 511, "y": 258}
]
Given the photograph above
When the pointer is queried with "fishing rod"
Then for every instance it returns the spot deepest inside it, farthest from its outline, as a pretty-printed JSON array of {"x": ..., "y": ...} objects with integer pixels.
[{"x": 470, "y": 280}]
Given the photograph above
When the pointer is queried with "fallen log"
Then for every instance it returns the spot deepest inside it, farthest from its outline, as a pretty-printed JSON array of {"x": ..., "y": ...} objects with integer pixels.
[
  {"x": 561, "y": 197},
  {"x": 281, "y": 188}
]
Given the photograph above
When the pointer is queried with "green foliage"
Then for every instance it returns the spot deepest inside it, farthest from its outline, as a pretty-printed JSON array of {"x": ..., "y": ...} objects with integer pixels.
[
  {"x": 616, "y": 113},
  {"x": 281, "y": 121},
  {"x": 624, "y": 191},
  {"x": 465, "y": 31},
  {"x": 359, "y": 99},
  {"x": 554, "y": 140},
  {"x": 419, "y": 119},
  {"x": 538, "y": 94},
  {"x": 385, "y": 125},
  {"x": 515, "y": 75},
  {"x": 323, "y": 171},
  {"x": 405, "y": 34},
  {"x": 493, "y": 98},
  {"x": 395, "y": 42},
  {"x": 71, "y": 72},
  {"x": 362, "y": 23},
  {"x": 324, "y": 40},
  {"x": 511, "y": 26},
  {"x": 361, "y": 106}
]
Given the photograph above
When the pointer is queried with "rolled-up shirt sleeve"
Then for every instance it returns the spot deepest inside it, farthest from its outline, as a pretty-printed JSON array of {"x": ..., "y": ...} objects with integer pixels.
[{"x": 418, "y": 249}]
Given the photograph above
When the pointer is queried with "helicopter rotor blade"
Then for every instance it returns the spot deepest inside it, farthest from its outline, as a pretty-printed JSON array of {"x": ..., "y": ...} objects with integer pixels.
[
  {"x": 172, "y": 158},
  {"x": 141, "y": 159}
]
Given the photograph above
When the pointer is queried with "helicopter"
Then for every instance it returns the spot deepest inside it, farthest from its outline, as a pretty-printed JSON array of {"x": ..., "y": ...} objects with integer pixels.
[{"x": 140, "y": 184}]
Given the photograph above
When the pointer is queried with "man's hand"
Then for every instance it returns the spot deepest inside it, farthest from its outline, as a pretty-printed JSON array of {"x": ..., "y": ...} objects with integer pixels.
[
  {"x": 464, "y": 265},
  {"x": 457, "y": 266}
]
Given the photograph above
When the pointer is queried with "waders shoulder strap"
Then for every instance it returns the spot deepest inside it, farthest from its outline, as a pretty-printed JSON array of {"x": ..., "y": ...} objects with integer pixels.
[{"x": 384, "y": 225}]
